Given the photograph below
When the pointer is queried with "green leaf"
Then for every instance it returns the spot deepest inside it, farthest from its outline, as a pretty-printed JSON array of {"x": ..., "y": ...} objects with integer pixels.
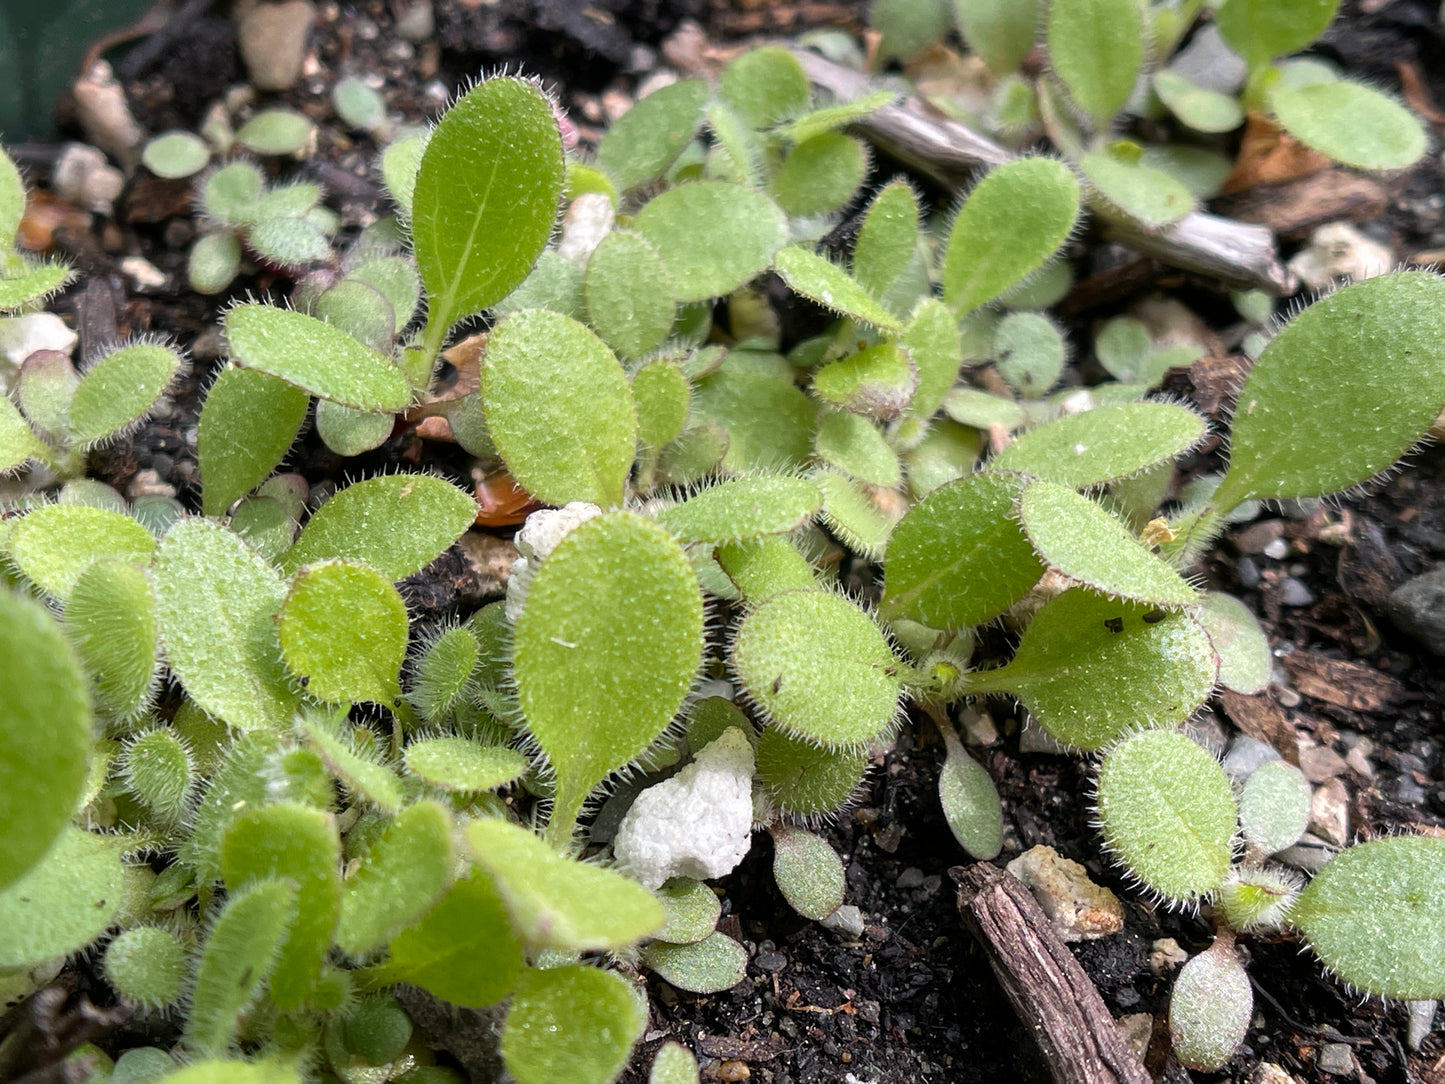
[
  {"x": 559, "y": 408},
  {"x": 1017, "y": 217},
  {"x": 1096, "y": 47},
  {"x": 18, "y": 442},
  {"x": 229, "y": 194},
  {"x": 1149, "y": 196},
  {"x": 343, "y": 630},
  {"x": 400, "y": 163},
  {"x": 606, "y": 649},
  {"x": 1260, "y": 30},
  {"x": 808, "y": 872},
  {"x": 877, "y": 381},
  {"x": 765, "y": 86},
  {"x": 1274, "y": 807},
  {"x": 767, "y": 420},
  {"x": 819, "y": 668},
  {"x": 959, "y": 558},
  {"x": 646, "y": 140},
  {"x": 1029, "y": 352},
  {"x": 404, "y": 873},
  {"x": 478, "y": 231},
  {"x": 556, "y": 902},
  {"x": 396, "y": 279},
  {"x": 230, "y": 1072},
  {"x": 119, "y": 389},
  {"x": 947, "y": 453},
  {"x": 243, "y": 947},
  {"x": 970, "y": 802},
  {"x": 314, "y": 356},
  {"x": 825, "y": 282},
  {"x": 709, "y": 966},
  {"x": 744, "y": 508},
  {"x": 805, "y": 781},
  {"x": 44, "y": 386},
  {"x": 692, "y": 910},
  {"x": 852, "y": 514},
  {"x": 237, "y": 783},
  {"x": 294, "y": 845},
  {"x": 214, "y": 262},
  {"x": 1342, "y": 392},
  {"x": 1103, "y": 445},
  {"x": 833, "y": 117},
  {"x": 1088, "y": 684},
  {"x": 1210, "y": 1007},
  {"x": 1077, "y": 537},
  {"x": 1167, "y": 813},
  {"x": 936, "y": 347},
  {"x": 854, "y": 445},
  {"x": 55, "y": 543},
  {"x": 576, "y": 1024},
  {"x": 1243, "y": 648},
  {"x": 713, "y": 236},
  {"x": 349, "y": 432},
  {"x": 887, "y": 240},
  {"x": 12, "y": 198},
  {"x": 360, "y": 310},
  {"x": 820, "y": 174},
  {"x": 980, "y": 410},
  {"x": 175, "y": 154},
  {"x": 32, "y": 285},
  {"x": 266, "y": 525},
  {"x": 556, "y": 283},
  {"x": 396, "y": 523},
  {"x": 1197, "y": 107},
  {"x": 110, "y": 620},
  {"x": 1372, "y": 915},
  {"x": 1001, "y": 32},
  {"x": 45, "y": 733},
  {"x": 366, "y": 778},
  {"x": 62, "y": 903},
  {"x": 464, "y": 951},
  {"x": 275, "y": 131},
  {"x": 907, "y": 28},
  {"x": 147, "y": 965},
  {"x": 629, "y": 294},
  {"x": 442, "y": 676},
  {"x": 673, "y": 1064},
  {"x": 217, "y": 602},
  {"x": 766, "y": 566},
  {"x": 1351, "y": 123},
  {"x": 157, "y": 770},
  {"x": 248, "y": 422},
  {"x": 662, "y": 395},
  {"x": 463, "y": 766}
]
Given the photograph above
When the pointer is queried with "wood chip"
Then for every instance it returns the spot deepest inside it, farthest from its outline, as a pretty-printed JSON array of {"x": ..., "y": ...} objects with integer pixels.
[
  {"x": 1295, "y": 208},
  {"x": 1262, "y": 719},
  {"x": 1344, "y": 684},
  {"x": 1270, "y": 155}
]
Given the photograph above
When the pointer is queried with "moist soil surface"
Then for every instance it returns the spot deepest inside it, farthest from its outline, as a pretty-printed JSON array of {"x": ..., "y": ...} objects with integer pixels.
[{"x": 911, "y": 998}]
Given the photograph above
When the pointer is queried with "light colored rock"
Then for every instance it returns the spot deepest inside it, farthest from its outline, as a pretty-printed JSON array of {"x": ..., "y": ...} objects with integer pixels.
[
  {"x": 1247, "y": 754},
  {"x": 847, "y": 920},
  {"x": 537, "y": 538},
  {"x": 1208, "y": 62},
  {"x": 1267, "y": 1072},
  {"x": 273, "y": 40},
  {"x": 1035, "y": 739},
  {"x": 145, "y": 275},
  {"x": 1135, "y": 1030},
  {"x": 1321, "y": 763},
  {"x": 1166, "y": 955},
  {"x": 1337, "y": 1059},
  {"x": 84, "y": 177},
  {"x": 696, "y": 824},
  {"x": 1339, "y": 251},
  {"x": 1417, "y": 607},
  {"x": 1422, "y": 1019},
  {"x": 1330, "y": 812},
  {"x": 21, "y": 336},
  {"x": 589, "y": 219},
  {"x": 491, "y": 558},
  {"x": 416, "y": 22},
  {"x": 1079, "y": 909},
  {"x": 978, "y": 727},
  {"x": 104, "y": 114},
  {"x": 1309, "y": 854}
]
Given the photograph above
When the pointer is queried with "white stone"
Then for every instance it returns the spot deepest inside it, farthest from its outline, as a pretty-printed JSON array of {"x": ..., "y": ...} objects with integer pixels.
[
  {"x": 589, "y": 219},
  {"x": 145, "y": 275},
  {"x": 104, "y": 113},
  {"x": 1079, "y": 909},
  {"x": 698, "y": 823},
  {"x": 538, "y": 538},
  {"x": 21, "y": 336},
  {"x": 86, "y": 179},
  {"x": 1339, "y": 251}
]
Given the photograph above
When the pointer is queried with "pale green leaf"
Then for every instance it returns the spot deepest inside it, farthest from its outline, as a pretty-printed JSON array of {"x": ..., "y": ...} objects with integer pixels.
[
  {"x": 1351, "y": 123},
  {"x": 464, "y": 951},
  {"x": 744, "y": 508},
  {"x": 110, "y": 619},
  {"x": 947, "y": 453},
  {"x": 34, "y": 284},
  {"x": 1103, "y": 445},
  {"x": 1167, "y": 813},
  {"x": 692, "y": 910},
  {"x": 855, "y": 446},
  {"x": 1029, "y": 352},
  {"x": 399, "y": 165},
  {"x": 936, "y": 347},
  {"x": 662, "y": 394},
  {"x": 768, "y": 421},
  {"x": 18, "y": 442},
  {"x": 1017, "y": 217},
  {"x": 854, "y": 516},
  {"x": 45, "y": 733},
  {"x": 970, "y": 802},
  {"x": 713, "y": 236},
  {"x": 825, "y": 282},
  {"x": 908, "y": 27},
  {"x": 1140, "y": 192},
  {"x": 876, "y": 382},
  {"x": 629, "y": 294},
  {"x": 980, "y": 410},
  {"x": 1210, "y": 1007},
  {"x": 820, "y": 174},
  {"x": 1096, "y": 47},
  {"x": 832, "y": 117},
  {"x": 349, "y": 432},
  {"x": 119, "y": 389},
  {"x": 710, "y": 966},
  {"x": 403, "y": 874},
  {"x": 887, "y": 240},
  {"x": 959, "y": 558},
  {"x": 808, "y": 872},
  {"x": 486, "y": 196},
  {"x": 1260, "y": 30},
  {"x": 53, "y": 544},
  {"x": 343, "y": 631},
  {"x": 396, "y": 523},
  {"x": 818, "y": 667},
  {"x": 63, "y": 902},
  {"x": 275, "y": 131},
  {"x": 673, "y": 1064},
  {"x": 248, "y": 422},
  {"x": 463, "y": 766},
  {"x": 217, "y": 602},
  {"x": 765, "y": 86},
  {"x": 1245, "y": 662},
  {"x": 1197, "y": 107},
  {"x": 576, "y": 1024},
  {"x": 1274, "y": 807},
  {"x": 646, "y": 140},
  {"x": 805, "y": 781},
  {"x": 147, "y": 965},
  {"x": 12, "y": 199},
  {"x": 1001, "y": 32},
  {"x": 363, "y": 776},
  {"x": 559, "y": 408}
]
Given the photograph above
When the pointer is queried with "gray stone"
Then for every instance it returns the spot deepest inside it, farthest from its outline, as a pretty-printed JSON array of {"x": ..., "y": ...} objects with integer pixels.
[
  {"x": 273, "y": 40},
  {"x": 847, "y": 920},
  {"x": 1330, "y": 813},
  {"x": 1320, "y": 762},
  {"x": 1417, "y": 607},
  {"x": 1035, "y": 739},
  {"x": 1337, "y": 1059},
  {"x": 1245, "y": 755},
  {"x": 1309, "y": 854},
  {"x": 1422, "y": 1019},
  {"x": 1294, "y": 593},
  {"x": 771, "y": 961},
  {"x": 912, "y": 877},
  {"x": 1257, "y": 537}
]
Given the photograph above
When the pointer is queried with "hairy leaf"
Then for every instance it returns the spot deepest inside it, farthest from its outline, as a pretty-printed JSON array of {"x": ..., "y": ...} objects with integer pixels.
[
  {"x": 1351, "y": 123},
  {"x": 744, "y": 508},
  {"x": 62, "y": 903},
  {"x": 643, "y": 142},
  {"x": 248, "y": 422},
  {"x": 1096, "y": 47},
  {"x": 575, "y": 1023},
  {"x": 1103, "y": 445},
  {"x": 343, "y": 630},
  {"x": 713, "y": 236},
  {"x": 825, "y": 282},
  {"x": 55, "y": 543},
  {"x": 629, "y": 294},
  {"x": 808, "y": 872}
]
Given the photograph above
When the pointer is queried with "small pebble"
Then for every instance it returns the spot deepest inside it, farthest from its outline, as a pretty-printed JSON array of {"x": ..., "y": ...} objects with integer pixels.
[
  {"x": 1422, "y": 1019},
  {"x": 1277, "y": 550},
  {"x": 1408, "y": 792},
  {"x": 771, "y": 961},
  {"x": 1309, "y": 854},
  {"x": 846, "y": 920},
  {"x": 273, "y": 39},
  {"x": 1078, "y": 908},
  {"x": 889, "y": 838},
  {"x": 1247, "y": 572},
  {"x": 1287, "y": 697},
  {"x": 1337, "y": 1059},
  {"x": 85, "y": 178},
  {"x": 1294, "y": 593},
  {"x": 1267, "y": 1072},
  {"x": 1258, "y": 537},
  {"x": 1245, "y": 755},
  {"x": 417, "y": 21},
  {"x": 1166, "y": 955},
  {"x": 1330, "y": 813},
  {"x": 1417, "y": 607},
  {"x": 912, "y": 877},
  {"x": 1320, "y": 762}
]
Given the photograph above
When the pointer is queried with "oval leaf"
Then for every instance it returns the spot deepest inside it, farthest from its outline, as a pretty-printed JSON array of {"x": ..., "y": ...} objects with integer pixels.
[
  {"x": 629, "y": 294},
  {"x": 63, "y": 903},
  {"x": 403, "y": 874},
  {"x": 1350, "y": 123},
  {"x": 710, "y": 966},
  {"x": 343, "y": 630},
  {"x": 248, "y": 422},
  {"x": 111, "y": 621},
  {"x": 825, "y": 282},
  {"x": 463, "y": 766},
  {"x": 55, "y": 543},
  {"x": 809, "y": 873},
  {"x": 1097, "y": 48},
  {"x": 576, "y": 1024},
  {"x": 1103, "y": 445},
  {"x": 1240, "y": 641},
  {"x": 119, "y": 389},
  {"x": 970, "y": 802},
  {"x": 646, "y": 140},
  {"x": 713, "y": 236},
  {"x": 744, "y": 508}
]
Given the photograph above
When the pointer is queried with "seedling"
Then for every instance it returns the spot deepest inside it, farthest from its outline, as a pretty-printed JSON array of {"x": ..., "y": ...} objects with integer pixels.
[{"x": 310, "y": 729}]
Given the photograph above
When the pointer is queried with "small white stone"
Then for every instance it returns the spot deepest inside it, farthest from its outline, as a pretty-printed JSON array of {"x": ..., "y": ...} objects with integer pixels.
[
  {"x": 1079, "y": 909},
  {"x": 101, "y": 108},
  {"x": 538, "y": 538},
  {"x": 1166, "y": 955},
  {"x": 847, "y": 920},
  {"x": 588, "y": 220},
  {"x": 1422, "y": 1019},
  {"x": 86, "y": 179},
  {"x": 1339, "y": 251},
  {"x": 21, "y": 336},
  {"x": 1330, "y": 813},
  {"x": 698, "y": 823},
  {"x": 145, "y": 275}
]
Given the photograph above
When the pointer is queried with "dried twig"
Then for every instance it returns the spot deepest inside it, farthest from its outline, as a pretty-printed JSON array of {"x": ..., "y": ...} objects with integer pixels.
[
  {"x": 950, "y": 153},
  {"x": 1045, "y": 984}
]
